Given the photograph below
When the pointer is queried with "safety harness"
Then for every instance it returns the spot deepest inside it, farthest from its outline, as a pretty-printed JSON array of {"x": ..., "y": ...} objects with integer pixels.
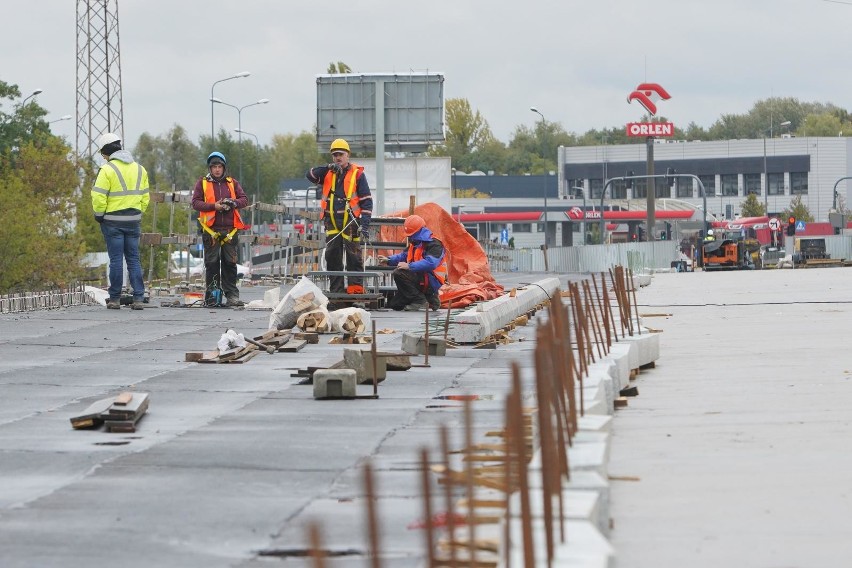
[{"x": 207, "y": 218}]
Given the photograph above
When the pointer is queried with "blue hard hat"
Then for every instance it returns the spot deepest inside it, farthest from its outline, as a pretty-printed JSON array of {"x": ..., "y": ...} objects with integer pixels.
[{"x": 218, "y": 155}]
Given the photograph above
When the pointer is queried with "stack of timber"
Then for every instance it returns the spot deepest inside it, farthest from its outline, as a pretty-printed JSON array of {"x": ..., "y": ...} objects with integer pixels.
[
  {"x": 273, "y": 341},
  {"x": 314, "y": 322},
  {"x": 118, "y": 413}
]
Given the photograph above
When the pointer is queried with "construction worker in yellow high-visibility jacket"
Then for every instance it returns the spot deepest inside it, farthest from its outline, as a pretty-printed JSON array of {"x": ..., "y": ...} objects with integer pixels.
[{"x": 119, "y": 197}]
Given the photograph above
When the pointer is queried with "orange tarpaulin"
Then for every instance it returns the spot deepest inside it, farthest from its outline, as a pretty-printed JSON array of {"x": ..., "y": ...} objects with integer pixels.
[{"x": 470, "y": 277}]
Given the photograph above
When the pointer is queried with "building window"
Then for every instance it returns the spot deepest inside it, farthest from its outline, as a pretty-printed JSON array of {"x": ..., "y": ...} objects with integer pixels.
[
  {"x": 618, "y": 189},
  {"x": 709, "y": 183},
  {"x": 522, "y": 227},
  {"x": 576, "y": 188},
  {"x": 751, "y": 183},
  {"x": 640, "y": 188},
  {"x": 776, "y": 184},
  {"x": 663, "y": 189},
  {"x": 798, "y": 183},
  {"x": 595, "y": 186},
  {"x": 684, "y": 187},
  {"x": 730, "y": 184}
]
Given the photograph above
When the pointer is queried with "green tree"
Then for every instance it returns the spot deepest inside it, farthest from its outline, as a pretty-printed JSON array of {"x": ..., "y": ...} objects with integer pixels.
[
  {"x": 41, "y": 245},
  {"x": 798, "y": 210},
  {"x": 338, "y": 68},
  {"x": 752, "y": 207},
  {"x": 467, "y": 133},
  {"x": 826, "y": 124}
]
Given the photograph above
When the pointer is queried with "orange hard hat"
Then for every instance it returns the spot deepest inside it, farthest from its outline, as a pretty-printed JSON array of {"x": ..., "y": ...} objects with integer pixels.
[{"x": 413, "y": 223}]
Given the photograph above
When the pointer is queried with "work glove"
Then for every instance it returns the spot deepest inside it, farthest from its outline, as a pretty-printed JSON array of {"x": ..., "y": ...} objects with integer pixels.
[
  {"x": 336, "y": 168},
  {"x": 365, "y": 233}
]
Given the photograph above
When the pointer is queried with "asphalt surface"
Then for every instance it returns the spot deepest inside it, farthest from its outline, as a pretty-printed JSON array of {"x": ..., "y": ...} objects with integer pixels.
[
  {"x": 232, "y": 461},
  {"x": 737, "y": 450}
]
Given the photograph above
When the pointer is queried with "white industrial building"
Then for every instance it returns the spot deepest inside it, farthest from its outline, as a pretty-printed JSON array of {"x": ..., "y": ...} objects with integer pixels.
[{"x": 775, "y": 169}]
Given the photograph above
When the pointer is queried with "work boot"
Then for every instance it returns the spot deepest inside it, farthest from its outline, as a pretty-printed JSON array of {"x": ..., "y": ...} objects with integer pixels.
[
  {"x": 434, "y": 301},
  {"x": 114, "y": 304},
  {"x": 137, "y": 305},
  {"x": 416, "y": 306},
  {"x": 234, "y": 303}
]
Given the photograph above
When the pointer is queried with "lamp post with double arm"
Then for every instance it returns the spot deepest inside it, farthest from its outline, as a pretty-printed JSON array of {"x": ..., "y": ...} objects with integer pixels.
[
  {"x": 240, "y": 126},
  {"x": 239, "y": 75}
]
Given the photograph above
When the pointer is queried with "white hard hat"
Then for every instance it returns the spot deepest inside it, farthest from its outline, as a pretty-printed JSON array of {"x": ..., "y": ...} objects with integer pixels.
[
  {"x": 107, "y": 138},
  {"x": 710, "y": 231}
]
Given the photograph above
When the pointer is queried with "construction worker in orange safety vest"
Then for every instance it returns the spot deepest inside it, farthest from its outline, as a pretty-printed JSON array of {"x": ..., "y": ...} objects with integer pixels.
[
  {"x": 346, "y": 209},
  {"x": 218, "y": 198},
  {"x": 421, "y": 268}
]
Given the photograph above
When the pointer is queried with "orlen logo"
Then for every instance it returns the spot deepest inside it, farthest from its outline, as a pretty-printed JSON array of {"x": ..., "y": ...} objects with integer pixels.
[
  {"x": 646, "y": 94},
  {"x": 575, "y": 213}
]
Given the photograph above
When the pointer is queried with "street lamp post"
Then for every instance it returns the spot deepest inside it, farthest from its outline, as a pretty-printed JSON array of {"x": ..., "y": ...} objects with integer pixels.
[
  {"x": 31, "y": 95},
  {"x": 256, "y": 171},
  {"x": 544, "y": 157},
  {"x": 61, "y": 118},
  {"x": 765, "y": 170},
  {"x": 240, "y": 125},
  {"x": 212, "y": 96},
  {"x": 582, "y": 191}
]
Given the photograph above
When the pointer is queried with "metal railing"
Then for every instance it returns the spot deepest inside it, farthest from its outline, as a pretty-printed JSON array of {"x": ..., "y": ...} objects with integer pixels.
[{"x": 639, "y": 257}]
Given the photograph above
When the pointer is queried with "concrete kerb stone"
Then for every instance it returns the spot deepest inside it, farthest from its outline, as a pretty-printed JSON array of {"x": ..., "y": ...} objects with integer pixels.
[
  {"x": 416, "y": 343},
  {"x": 647, "y": 347},
  {"x": 361, "y": 361},
  {"x": 485, "y": 319},
  {"x": 584, "y": 546},
  {"x": 335, "y": 383},
  {"x": 619, "y": 354}
]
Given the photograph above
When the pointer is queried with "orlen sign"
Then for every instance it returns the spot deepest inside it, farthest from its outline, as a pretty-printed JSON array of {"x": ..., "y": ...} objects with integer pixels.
[
  {"x": 647, "y": 94},
  {"x": 650, "y": 129}
]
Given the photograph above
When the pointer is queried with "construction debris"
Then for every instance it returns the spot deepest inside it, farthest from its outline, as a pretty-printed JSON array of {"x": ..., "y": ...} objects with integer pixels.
[
  {"x": 118, "y": 413},
  {"x": 273, "y": 341}
]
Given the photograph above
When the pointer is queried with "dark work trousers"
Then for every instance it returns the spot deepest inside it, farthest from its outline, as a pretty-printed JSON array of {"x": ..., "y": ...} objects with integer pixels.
[
  {"x": 220, "y": 266},
  {"x": 410, "y": 289},
  {"x": 335, "y": 249}
]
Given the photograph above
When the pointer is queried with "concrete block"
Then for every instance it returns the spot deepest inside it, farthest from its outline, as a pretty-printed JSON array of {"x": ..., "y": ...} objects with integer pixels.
[
  {"x": 416, "y": 343},
  {"x": 361, "y": 361},
  {"x": 647, "y": 347},
  {"x": 585, "y": 546},
  {"x": 334, "y": 383},
  {"x": 484, "y": 319}
]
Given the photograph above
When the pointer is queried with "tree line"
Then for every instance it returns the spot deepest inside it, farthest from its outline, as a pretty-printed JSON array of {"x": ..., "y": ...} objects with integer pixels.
[{"x": 50, "y": 226}]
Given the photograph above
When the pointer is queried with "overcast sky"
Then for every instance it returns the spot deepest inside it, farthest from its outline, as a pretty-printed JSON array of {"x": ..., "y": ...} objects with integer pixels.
[{"x": 576, "y": 61}]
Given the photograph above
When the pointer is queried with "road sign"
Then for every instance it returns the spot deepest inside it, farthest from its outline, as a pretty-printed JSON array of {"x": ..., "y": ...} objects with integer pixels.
[
  {"x": 775, "y": 224},
  {"x": 800, "y": 226}
]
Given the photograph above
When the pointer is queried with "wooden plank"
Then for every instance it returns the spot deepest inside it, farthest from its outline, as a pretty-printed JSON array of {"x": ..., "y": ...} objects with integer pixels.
[
  {"x": 91, "y": 417},
  {"x": 123, "y": 399},
  {"x": 137, "y": 406},
  {"x": 193, "y": 356},
  {"x": 248, "y": 356},
  {"x": 293, "y": 346}
]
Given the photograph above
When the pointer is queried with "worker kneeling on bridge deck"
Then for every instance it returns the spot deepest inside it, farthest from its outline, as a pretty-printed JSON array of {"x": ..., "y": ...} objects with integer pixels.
[
  {"x": 346, "y": 208},
  {"x": 420, "y": 271}
]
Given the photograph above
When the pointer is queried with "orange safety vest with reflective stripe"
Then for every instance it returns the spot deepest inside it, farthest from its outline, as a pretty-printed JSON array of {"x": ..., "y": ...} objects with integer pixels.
[
  {"x": 350, "y": 185},
  {"x": 207, "y": 217},
  {"x": 441, "y": 272}
]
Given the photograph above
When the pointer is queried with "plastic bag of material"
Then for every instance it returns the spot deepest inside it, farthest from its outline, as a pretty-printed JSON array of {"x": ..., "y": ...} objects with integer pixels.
[
  {"x": 304, "y": 297},
  {"x": 349, "y": 321},
  {"x": 230, "y": 339}
]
